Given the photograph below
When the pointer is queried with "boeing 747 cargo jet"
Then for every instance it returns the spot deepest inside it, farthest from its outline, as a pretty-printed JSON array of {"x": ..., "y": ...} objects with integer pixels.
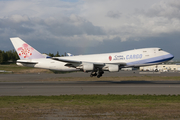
[{"x": 94, "y": 63}]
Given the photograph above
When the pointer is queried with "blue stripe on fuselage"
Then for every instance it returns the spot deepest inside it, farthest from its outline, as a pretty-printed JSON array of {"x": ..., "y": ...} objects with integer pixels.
[{"x": 158, "y": 59}]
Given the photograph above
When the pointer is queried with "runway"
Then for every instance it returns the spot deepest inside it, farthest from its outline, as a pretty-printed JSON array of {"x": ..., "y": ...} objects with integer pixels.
[
  {"x": 90, "y": 87},
  {"x": 35, "y": 77},
  {"x": 43, "y": 84}
]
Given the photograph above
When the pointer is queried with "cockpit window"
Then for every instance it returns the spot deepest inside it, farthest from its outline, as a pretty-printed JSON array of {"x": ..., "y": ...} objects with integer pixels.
[{"x": 160, "y": 49}]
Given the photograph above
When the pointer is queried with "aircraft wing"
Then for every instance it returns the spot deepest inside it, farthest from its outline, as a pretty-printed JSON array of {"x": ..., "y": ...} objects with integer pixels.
[
  {"x": 75, "y": 63},
  {"x": 66, "y": 60}
]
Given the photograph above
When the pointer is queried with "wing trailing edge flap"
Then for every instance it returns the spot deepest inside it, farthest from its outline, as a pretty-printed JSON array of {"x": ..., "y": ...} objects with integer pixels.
[{"x": 75, "y": 63}]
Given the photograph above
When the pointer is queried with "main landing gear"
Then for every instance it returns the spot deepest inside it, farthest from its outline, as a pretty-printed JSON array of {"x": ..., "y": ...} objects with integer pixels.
[
  {"x": 98, "y": 74},
  {"x": 93, "y": 74}
]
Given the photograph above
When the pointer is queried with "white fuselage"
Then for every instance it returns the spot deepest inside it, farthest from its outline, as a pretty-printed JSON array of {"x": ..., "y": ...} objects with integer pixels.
[{"x": 131, "y": 58}]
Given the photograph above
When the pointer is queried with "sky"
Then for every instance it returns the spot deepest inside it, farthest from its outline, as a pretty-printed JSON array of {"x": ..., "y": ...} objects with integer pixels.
[{"x": 91, "y": 26}]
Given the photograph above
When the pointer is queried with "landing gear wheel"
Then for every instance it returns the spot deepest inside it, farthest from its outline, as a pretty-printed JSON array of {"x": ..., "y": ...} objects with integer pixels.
[
  {"x": 98, "y": 76},
  {"x": 93, "y": 74},
  {"x": 156, "y": 70},
  {"x": 99, "y": 72}
]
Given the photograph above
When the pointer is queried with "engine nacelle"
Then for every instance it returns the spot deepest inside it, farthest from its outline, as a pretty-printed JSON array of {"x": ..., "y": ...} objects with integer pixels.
[
  {"x": 88, "y": 67},
  {"x": 113, "y": 68}
]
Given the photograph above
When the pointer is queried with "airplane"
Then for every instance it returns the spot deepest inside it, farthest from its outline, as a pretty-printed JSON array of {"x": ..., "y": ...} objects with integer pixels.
[
  {"x": 94, "y": 63},
  {"x": 69, "y": 54}
]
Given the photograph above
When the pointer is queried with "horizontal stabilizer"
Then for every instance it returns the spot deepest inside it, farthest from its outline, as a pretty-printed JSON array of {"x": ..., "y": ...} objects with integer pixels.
[{"x": 26, "y": 62}]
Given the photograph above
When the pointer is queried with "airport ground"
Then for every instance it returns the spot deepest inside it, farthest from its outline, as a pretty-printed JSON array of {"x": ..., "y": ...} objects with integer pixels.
[
  {"x": 121, "y": 83},
  {"x": 122, "y": 95}
]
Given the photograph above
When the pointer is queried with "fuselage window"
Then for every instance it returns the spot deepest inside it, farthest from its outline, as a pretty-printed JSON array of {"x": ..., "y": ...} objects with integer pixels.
[{"x": 160, "y": 49}]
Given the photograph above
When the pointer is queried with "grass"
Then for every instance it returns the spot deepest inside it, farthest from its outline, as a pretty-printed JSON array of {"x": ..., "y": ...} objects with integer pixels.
[{"x": 91, "y": 107}]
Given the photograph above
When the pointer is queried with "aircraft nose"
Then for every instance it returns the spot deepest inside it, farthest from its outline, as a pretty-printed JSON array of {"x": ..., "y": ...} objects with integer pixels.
[{"x": 170, "y": 56}]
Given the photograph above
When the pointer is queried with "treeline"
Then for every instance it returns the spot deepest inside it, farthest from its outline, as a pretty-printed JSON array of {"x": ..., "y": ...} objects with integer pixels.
[
  {"x": 56, "y": 55},
  {"x": 11, "y": 56},
  {"x": 8, "y": 56}
]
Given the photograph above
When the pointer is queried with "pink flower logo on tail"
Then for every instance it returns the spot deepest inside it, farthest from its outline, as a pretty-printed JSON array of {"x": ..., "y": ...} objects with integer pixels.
[{"x": 25, "y": 51}]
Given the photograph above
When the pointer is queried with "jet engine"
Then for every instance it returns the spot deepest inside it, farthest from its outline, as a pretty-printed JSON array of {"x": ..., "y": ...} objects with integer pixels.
[
  {"x": 88, "y": 67},
  {"x": 111, "y": 68}
]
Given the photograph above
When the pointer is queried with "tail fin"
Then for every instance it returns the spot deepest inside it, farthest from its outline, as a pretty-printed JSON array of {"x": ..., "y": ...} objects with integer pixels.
[
  {"x": 69, "y": 54},
  {"x": 24, "y": 50}
]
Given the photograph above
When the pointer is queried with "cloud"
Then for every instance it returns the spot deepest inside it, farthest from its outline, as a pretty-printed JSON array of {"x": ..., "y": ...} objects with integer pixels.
[
  {"x": 114, "y": 14},
  {"x": 170, "y": 9},
  {"x": 71, "y": 31},
  {"x": 19, "y": 18},
  {"x": 94, "y": 25},
  {"x": 151, "y": 21}
]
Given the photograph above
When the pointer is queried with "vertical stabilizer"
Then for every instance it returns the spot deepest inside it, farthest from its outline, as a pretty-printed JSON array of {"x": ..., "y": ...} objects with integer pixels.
[{"x": 24, "y": 50}]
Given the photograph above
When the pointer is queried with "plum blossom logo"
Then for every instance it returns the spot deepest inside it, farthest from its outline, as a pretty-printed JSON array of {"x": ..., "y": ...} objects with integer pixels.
[
  {"x": 110, "y": 58},
  {"x": 25, "y": 51}
]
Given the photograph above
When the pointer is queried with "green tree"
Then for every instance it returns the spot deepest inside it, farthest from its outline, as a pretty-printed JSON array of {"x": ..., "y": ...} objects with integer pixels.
[
  {"x": 14, "y": 55},
  {"x": 1, "y": 57},
  {"x": 51, "y": 54},
  {"x": 5, "y": 56},
  {"x": 57, "y": 54}
]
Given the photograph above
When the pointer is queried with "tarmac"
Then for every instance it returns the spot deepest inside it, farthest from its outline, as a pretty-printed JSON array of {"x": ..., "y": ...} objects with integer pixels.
[{"x": 31, "y": 84}]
